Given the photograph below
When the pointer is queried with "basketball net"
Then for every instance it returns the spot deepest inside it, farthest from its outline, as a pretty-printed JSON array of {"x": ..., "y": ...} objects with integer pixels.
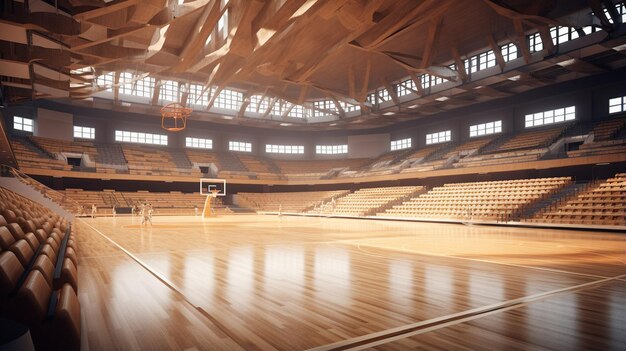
[
  {"x": 207, "y": 211},
  {"x": 174, "y": 117}
]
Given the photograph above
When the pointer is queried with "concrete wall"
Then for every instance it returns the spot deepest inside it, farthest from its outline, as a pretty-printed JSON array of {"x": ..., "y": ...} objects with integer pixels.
[{"x": 54, "y": 124}]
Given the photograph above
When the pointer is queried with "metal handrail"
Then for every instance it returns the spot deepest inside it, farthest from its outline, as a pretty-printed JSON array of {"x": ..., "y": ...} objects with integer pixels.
[{"x": 60, "y": 199}]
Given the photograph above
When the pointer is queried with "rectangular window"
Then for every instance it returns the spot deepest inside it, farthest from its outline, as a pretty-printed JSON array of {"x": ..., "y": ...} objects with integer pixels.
[
  {"x": 140, "y": 138},
  {"x": 509, "y": 52},
  {"x": 439, "y": 137},
  {"x": 479, "y": 62},
  {"x": 549, "y": 117},
  {"x": 406, "y": 87},
  {"x": 323, "y": 108},
  {"x": 257, "y": 104},
  {"x": 229, "y": 99},
  {"x": 284, "y": 149},
  {"x": 106, "y": 81},
  {"x": 349, "y": 107},
  {"x": 562, "y": 34},
  {"x": 22, "y": 123},
  {"x": 372, "y": 98},
  {"x": 84, "y": 132},
  {"x": 383, "y": 95},
  {"x": 239, "y": 146},
  {"x": 125, "y": 83},
  {"x": 144, "y": 87},
  {"x": 296, "y": 111},
  {"x": 617, "y": 105},
  {"x": 196, "y": 96},
  {"x": 534, "y": 43},
  {"x": 401, "y": 144},
  {"x": 430, "y": 81},
  {"x": 331, "y": 149},
  {"x": 485, "y": 128},
  {"x": 169, "y": 91},
  {"x": 198, "y": 143}
]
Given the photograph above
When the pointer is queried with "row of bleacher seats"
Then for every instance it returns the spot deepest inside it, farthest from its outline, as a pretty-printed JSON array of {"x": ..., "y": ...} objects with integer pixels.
[
  {"x": 503, "y": 200},
  {"x": 173, "y": 202},
  {"x": 530, "y": 145},
  {"x": 532, "y": 139},
  {"x": 143, "y": 160},
  {"x": 364, "y": 202},
  {"x": 294, "y": 202},
  {"x": 604, "y": 140},
  {"x": 603, "y": 204},
  {"x": 38, "y": 273},
  {"x": 29, "y": 155},
  {"x": 494, "y": 200}
]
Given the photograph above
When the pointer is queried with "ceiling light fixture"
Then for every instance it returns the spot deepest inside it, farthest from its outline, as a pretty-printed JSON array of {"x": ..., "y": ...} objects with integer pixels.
[{"x": 567, "y": 62}]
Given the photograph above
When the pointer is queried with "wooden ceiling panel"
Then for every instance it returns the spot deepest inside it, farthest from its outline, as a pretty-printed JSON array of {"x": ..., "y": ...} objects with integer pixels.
[{"x": 296, "y": 50}]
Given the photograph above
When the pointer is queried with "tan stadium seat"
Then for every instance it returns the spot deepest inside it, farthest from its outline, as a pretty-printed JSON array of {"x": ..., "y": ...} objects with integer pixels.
[
  {"x": 32, "y": 303},
  {"x": 23, "y": 251},
  {"x": 32, "y": 299},
  {"x": 57, "y": 238},
  {"x": 46, "y": 267},
  {"x": 67, "y": 320},
  {"x": 18, "y": 234},
  {"x": 49, "y": 251},
  {"x": 6, "y": 238},
  {"x": 10, "y": 271},
  {"x": 58, "y": 232},
  {"x": 55, "y": 246},
  {"x": 27, "y": 226},
  {"x": 41, "y": 235},
  {"x": 9, "y": 216},
  {"x": 47, "y": 227},
  {"x": 71, "y": 254},
  {"x": 69, "y": 274}
]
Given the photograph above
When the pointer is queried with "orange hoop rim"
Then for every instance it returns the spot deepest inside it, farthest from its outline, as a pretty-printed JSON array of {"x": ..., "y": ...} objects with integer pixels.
[
  {"x": 178, "y": 113},
  {"x": 175, "y": 110}
]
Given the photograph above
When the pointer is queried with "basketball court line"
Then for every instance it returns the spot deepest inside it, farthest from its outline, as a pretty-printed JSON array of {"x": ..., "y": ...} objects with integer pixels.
[
  {"x": 402, "y": 332},
  {"x": 472, "y": 259},
  {"x": 140, "y": 262},
  {"x": 393, "y": 334}
]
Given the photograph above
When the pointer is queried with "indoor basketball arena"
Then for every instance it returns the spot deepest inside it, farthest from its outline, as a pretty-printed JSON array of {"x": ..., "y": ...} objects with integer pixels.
[{"x": 312, "y": 175}]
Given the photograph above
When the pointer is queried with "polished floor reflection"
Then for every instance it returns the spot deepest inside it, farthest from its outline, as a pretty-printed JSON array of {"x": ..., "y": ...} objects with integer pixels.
[{"x": 287, "y": 283}]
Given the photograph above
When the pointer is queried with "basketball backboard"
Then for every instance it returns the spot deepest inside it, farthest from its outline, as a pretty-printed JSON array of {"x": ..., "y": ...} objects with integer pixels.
[{"x": 208, "y": 184}]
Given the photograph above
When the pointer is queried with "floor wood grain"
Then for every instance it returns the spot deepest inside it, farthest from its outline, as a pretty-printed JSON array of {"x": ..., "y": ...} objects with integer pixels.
[{"x": 287, "y": 283}]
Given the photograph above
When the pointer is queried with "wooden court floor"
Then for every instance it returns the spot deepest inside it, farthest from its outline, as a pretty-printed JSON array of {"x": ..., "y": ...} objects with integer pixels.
[{"x": 253, "y": 282}]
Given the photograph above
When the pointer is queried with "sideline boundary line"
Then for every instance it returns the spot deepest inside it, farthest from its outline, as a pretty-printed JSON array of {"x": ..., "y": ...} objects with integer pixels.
[{"x": 402, "y": 332}]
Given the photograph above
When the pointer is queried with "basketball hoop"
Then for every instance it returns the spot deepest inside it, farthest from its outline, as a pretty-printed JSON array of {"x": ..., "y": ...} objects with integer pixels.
[{"x": 174, "y": 117}]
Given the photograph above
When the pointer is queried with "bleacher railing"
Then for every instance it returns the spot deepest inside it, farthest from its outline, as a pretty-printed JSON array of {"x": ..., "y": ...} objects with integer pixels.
[{"x": 60, "y": 199}]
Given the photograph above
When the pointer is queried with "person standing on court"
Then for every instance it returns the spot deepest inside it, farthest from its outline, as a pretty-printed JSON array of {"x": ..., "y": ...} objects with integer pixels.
[
  {"x": 146, "y": 213},
  {"x": 94, "y": 209}
]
